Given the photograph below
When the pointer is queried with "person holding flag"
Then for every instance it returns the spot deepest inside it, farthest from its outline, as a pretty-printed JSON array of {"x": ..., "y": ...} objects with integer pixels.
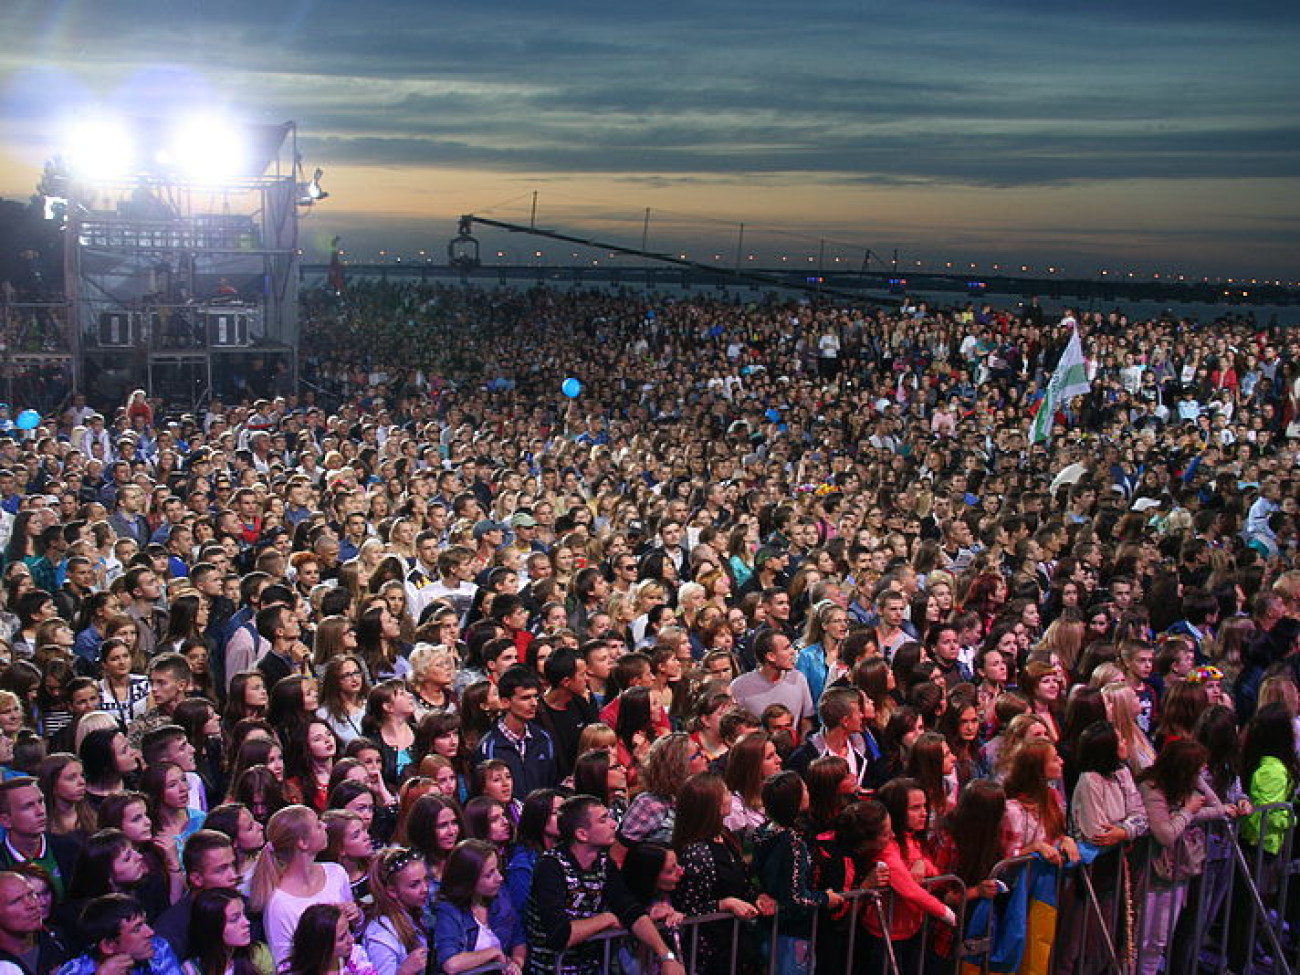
[{"x": 1069, "y": 379}]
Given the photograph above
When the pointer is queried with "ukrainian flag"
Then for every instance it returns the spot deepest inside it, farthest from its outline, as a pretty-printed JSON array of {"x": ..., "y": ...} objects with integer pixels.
[{"x": 1023, "y": 924}]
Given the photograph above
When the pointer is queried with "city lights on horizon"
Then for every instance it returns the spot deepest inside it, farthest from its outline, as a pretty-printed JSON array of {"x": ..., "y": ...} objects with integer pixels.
[{"x": 532, "y": 257}]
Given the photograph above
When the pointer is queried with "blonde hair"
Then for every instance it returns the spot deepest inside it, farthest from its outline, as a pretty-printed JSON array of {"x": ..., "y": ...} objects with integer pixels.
[
  {"x": 425, "y": 656},
  {"x": 1280, "y": 689},
  {"x": 1106, "y": 674},
  {"x": 596, "y": 736},
  {"x": 284, "y": 831},
  {"x": 667, "y": 764},
  {"x": 94, "y": 721},
  {"x": 1064, "y": 637},
  {"x": 1122, "y": 708}
]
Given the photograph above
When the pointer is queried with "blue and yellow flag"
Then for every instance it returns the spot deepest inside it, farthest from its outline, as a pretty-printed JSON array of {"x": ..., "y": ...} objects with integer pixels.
[{"x": 1021, "y": 924}]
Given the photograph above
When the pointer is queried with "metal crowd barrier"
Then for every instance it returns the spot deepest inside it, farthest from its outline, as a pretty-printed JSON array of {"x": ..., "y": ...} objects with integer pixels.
[
  {"x": 1239, "y": 896},
  {"x": 685, "y": 937},
  {"x": 610, "y": 940}
]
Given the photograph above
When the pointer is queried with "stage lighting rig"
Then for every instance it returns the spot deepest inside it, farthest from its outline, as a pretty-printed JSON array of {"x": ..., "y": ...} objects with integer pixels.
[{"x": 310, "y": 192}]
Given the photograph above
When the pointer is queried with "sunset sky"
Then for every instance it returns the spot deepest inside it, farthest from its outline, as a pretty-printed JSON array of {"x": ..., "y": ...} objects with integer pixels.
[{"x": 1149, "y": 137}]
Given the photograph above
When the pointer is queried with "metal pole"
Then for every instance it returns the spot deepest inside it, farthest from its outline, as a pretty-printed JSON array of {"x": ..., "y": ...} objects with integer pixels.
[
  {"x": 740, "y": 245},
  {"x": 1279, "y": 961},
  {"x": 1096, "y": 906},
  {"x": 645, "y": 229},
  {"x": 853, "y": 933},
  {"x": 532, "y": 216},
  {"x": 891, "y": 962}
]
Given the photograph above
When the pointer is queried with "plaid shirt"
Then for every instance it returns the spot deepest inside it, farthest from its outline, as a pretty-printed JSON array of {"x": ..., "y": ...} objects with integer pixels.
[{"x": 649, "y": 819}]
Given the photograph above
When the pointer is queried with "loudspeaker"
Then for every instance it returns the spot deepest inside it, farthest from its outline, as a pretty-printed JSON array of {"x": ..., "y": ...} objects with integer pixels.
[
  {"x": 118, "y": 329},
  {"x": 228, "y": 329}
]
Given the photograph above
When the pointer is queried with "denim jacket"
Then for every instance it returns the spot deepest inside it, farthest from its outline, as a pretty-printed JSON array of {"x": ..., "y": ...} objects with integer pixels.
[
  {"x": 455, "y": 930},
  {"x": 163, "y": 962}
]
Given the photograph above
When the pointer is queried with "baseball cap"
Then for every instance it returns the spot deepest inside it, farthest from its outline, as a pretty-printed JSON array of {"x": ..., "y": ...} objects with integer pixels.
[{"x": 485, "y": 526}]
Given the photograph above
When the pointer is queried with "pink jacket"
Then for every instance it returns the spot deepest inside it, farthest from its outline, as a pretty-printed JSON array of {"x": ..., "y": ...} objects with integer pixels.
[{"x": 911, "y": 901}]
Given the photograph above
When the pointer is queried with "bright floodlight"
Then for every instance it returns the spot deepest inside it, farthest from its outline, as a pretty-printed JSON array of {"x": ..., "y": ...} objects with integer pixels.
[
  {"x": 208, "y": 150},
  {"x": 100, "y": 149}
]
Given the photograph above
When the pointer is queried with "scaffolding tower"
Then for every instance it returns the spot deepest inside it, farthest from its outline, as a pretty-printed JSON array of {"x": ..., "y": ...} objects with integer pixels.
[{"x": 187, "y": 289}]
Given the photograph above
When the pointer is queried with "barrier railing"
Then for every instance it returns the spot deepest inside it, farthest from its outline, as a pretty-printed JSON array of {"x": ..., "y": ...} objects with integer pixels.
[
  {"x": 955, "y": 885},
  {"x": 1118, "y": 914},
  {"x": 609, "y": 940}
]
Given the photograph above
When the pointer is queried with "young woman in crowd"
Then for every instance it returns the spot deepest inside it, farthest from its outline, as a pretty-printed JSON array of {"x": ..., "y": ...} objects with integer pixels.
[
  {"x": 1177, "y": 801},
  {"x": 394, "y": 937},
  {"x": 907, "y": 864},
  {"x": 434, "y": 827},
  {"x": 349, "y": 845},
  {"x": 63, "y": 783},
  {"x": 783, "y": 865},
  {"x": 751, "y": 762},
  {"x": 288, "y": 880},
  {"x": 714, "y": 876},
  {"x": 475, "y": 923},
  {"x": 493, "y": 778},
  {"x": 536, "y": 833},
  {"x": 109, "y": 863},
  {"x": 174, "y": 816},
  {"x": 323, "y": 944},
  {"x": 222, "y": 933},
  {"x": 343, "y": 695},
  {"x": 246, "y": 833},
  {"x": 487, "y": 819},
  {"x": 129, "y": 812},
  {"x": 309, "y": 761},
  {"x": 246, "y": 698},
  {"x": 390, "y": 709},
  {"x": 439, "y": 734}
]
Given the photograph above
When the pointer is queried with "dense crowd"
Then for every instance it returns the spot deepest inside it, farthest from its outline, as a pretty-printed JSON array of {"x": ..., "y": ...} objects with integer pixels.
[{"x": 438, "y": 666}]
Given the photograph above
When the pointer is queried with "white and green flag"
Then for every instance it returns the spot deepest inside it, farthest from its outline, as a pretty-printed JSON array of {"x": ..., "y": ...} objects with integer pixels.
[{"x": 1070, "y": 379}]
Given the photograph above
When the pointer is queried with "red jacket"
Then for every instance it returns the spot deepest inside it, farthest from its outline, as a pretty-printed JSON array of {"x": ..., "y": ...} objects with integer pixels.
[{"x": 911, "y": 901}]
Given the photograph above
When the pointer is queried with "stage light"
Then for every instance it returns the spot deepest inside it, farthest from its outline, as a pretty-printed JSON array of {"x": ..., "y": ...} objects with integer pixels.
[
  {"x": 206, "y": 149},
  {"x": 100, "y": 148},
  {"x": 309, "y": 193}
]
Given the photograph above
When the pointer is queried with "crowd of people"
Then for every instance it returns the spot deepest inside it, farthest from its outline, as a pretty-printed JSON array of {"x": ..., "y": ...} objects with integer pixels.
[{"x": 438, "y": 665}]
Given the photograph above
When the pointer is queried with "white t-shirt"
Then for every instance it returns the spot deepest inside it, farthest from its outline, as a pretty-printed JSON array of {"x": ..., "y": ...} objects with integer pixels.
[{"x": 284, "y": 910}]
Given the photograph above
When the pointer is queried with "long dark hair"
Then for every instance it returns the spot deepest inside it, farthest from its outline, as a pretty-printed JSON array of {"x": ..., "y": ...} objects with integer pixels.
[
  {"x": 182, "y": 617},
  {"x": 1269, "y": 734},
  {"x": 464, "y": 867},
  {"x": 641, "y": 869},
  {"x": 93, "y": 874},
  {"x": 285, "y": 711},
  {"x": 1177, "y": 769},
  {"x": 895, "y": 795},
  {"x": 98, "y": 761},
  {"x": 1216, "y": 729},
  {"x": 925, "y": 765},
  {"x": 533, "y": 817},
  {"x": 699, "y": 810},
  {"x": 823, "y": 777},
  {"x": 313, "y": 941},
  {"x": 207, "y": 927},
  {"x": 476, "y": 816},
  {"x": 421, "y": 823},
  {"x": 975, "y": 825},
  {"x": 634, "y": 714},
  {"x": 591, "y": 774}
]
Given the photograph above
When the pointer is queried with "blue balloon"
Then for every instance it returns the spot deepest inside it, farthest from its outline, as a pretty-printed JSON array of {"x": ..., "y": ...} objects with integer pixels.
[
  {"x": 571, "y": 388},
  {"x": 28, "y": 420},
  {"x": 773, "y": 416}
]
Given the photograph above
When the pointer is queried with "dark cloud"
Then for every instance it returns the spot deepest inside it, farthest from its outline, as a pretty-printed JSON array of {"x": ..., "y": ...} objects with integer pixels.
[{"x": 989, "y": 93}]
